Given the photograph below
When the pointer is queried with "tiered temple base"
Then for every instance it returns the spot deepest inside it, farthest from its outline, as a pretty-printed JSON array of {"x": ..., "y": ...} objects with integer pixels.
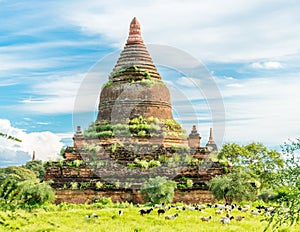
[{"x": 81, "y": 178}]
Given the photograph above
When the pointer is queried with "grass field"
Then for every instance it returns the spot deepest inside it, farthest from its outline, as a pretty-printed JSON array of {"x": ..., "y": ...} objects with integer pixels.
[{"x": 73, "y": 218}]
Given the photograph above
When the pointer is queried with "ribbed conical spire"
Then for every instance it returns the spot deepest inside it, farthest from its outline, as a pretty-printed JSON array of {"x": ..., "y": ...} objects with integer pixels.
[
  {"x": 126, "y": 96},
  {"x": 211, "y": 141},
  {"x": 210, "y": 135},
  {"x": 135, "y": 32},
  {"x": 134, "y": 59}
]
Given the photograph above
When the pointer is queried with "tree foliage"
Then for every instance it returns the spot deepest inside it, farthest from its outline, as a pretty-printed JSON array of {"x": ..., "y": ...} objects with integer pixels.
[
  {"x": 10, "y": 137},
  {"x": 158, "y": 190},
  {"x": 37, "y": 167},
  {"x": 260, "y": 162},
  {"x": 21, "y": 187},
  {"x": 17, "y": 173},
  {"x": 288, "y": 188},
  {"x": 35, "y": 193},
  {"x": 236, "y": 185}
]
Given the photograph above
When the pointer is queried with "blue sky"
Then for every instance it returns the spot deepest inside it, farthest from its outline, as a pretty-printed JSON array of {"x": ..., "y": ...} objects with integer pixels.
[{"x": 250, "y": 48}]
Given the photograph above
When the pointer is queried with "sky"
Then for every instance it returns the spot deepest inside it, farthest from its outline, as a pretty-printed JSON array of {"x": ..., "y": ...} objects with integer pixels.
[{"x": 250, "y": 49}]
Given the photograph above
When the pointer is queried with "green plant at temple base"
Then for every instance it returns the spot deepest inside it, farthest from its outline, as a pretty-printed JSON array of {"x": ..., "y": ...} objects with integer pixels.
[
  {"x": 74, "y": 185},
  {"x": 99, "y": 185},
  {"x": 158, "y": 190},
  {"x": 84, "y": 185},
  {"x": 77, "y": 163},
  {"x": 189, "y": 183},
  {"x": 127, "y": 185}
]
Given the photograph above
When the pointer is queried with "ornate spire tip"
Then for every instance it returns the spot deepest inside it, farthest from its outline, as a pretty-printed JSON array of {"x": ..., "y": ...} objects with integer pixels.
[{"x": 134, "y": 32}]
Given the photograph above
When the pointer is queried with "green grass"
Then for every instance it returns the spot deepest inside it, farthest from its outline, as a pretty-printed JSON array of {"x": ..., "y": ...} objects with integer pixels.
[{"x": 56, "y": 219}]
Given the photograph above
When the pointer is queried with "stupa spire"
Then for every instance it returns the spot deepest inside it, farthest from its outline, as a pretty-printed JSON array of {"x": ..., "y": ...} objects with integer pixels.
[
  {"x": 133, "y": 68},
  {"x": 211, "y": 141},
  {"x": 135, "y": 36},
  {"x": 210, "y": 134}
]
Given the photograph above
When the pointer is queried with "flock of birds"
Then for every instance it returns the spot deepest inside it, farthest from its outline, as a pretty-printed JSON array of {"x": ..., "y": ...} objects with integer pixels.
[{"x": 222, "y": 210}]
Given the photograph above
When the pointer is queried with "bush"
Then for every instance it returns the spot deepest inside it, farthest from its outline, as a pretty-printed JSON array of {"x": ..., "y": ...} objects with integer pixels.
[
  {"x": 105, "y": 201},
  {"x": 154, "y": 163},
  {"x": 266, "y": 197},
  {"x": 35, "y": 193},
  {"x": 74, "y": 185},
  {"x": 99, "y": 185},
  {"x": 20, "y": 188},
  {"x": 104, "y": 134},
  {"x": 233, "y": 186},
  {"x": 142, "y": 133},
  {"x": 158, "y": 190},
  {"x": 189, "y": 183},
  {"x": 77, "y": 163}
]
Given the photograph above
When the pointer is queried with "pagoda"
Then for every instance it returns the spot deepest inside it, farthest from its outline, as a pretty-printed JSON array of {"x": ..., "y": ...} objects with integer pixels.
[
  {"x": 135, "y": 104},
  {"x": 133, "y": 138}
]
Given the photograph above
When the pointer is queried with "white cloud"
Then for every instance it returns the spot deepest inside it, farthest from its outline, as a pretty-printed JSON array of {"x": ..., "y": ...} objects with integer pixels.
[
  {"x": 54, "y": 94},
  {"x": 262, "y": 109},
  {"x": 235, "y": 85},
  {"x": 187, "y": 81},
  {"x": 257, "y": 109},
  {"x": 14, "y": 62},
  {"x": 5, "y": 82},
  {"x": 267, "y": 65},
  {"x": 218, "y": 30},
  {"x": 46, "y": 144},
  {"x": 46, "y": 45},
  {"x": 43, "y": 123}
]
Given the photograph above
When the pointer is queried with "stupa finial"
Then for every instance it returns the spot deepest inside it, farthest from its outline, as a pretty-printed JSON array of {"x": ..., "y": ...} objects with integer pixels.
[
  {"x": 211, "y": 142},
  {"x": 210, "y": 134},
  {"x": 134, "y": 32}
]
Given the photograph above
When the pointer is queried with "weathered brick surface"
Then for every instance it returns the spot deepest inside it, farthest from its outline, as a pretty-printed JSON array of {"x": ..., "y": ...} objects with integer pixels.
[{"x": 87, "y": 196}]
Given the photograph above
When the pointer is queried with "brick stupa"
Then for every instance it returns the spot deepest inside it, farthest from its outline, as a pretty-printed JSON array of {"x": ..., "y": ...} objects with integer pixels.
[
  {"x": 135, "y": 66},
  {"x": 136, "y": 97},
  {"x": 134, "y": 138}
]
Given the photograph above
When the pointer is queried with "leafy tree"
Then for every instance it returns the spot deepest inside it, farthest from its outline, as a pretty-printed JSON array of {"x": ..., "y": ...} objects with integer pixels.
[
  {"x": 260, "y": 162},
  {"x": 288, "y": 188},
  {"x": 20, "y": 187},
  {"x": 35, "y": 193},
  {"x": 17, "y": 173},
  {"x": 37, "y": 167},
  {"x": 159, "y": 190},
  {"x": 10, "y": 178},
  {"x": 236, "y": 185}
]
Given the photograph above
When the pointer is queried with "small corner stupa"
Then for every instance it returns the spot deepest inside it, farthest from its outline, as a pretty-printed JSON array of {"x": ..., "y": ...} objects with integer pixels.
[{"x": 211, "y": 142}]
